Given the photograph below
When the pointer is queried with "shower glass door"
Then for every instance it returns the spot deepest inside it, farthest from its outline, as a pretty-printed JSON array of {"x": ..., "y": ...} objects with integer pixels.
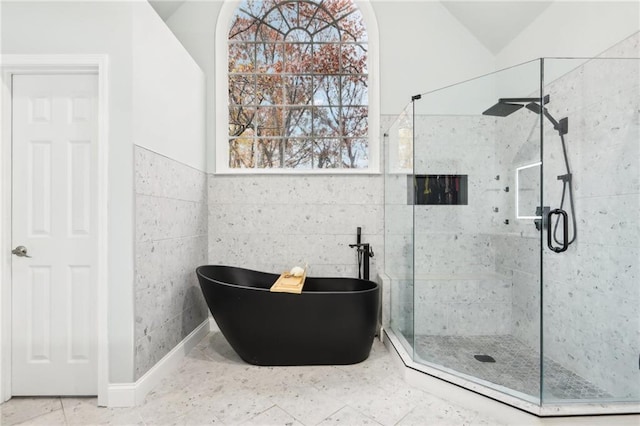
[
  {"x": 512, "y": 234},
  {"x": 476, "y": 198},
  {"x": 591, "y": 293},
  {"x": 399, "y": 225}
]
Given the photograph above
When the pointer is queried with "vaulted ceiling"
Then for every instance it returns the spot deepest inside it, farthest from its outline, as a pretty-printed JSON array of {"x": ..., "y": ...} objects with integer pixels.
[
  {"x": 166, "y": 8},
  {"x": 493, "y": 23},
  {"x": 496, "y": 23}
]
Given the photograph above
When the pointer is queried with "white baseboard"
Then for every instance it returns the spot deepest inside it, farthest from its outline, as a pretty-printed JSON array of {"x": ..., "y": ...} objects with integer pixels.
[
  {"x": 132, "y": 394},
  {"x": 121, "y": 395}
]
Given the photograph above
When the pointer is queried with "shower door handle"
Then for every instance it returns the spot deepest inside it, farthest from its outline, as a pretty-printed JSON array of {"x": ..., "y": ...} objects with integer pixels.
[{"x": 565, "y": 231}]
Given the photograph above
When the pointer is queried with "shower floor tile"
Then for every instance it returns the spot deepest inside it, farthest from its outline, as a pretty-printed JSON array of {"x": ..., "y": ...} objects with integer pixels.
[{"x": 516, "y": 365}]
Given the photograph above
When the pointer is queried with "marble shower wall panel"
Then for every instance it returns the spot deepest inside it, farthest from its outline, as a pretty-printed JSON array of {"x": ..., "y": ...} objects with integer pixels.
[
  {"x": 455, "y": 239},
  {"x": 402, "y": 318},
  {"x": 518, "y": 144},
  {"x": 457, "y": 290},
  {"x": 518, "y": 261},
  {"x": 599, "y": 335},
  {"x": 465, "y": 306},
  {"x": 593, "y": 289},
  {"x": 271, "y": 223},
  {"x": 452, "y": 254},
  {"x": 171, "y": 241},
  {"x": 517, "y": 245}
]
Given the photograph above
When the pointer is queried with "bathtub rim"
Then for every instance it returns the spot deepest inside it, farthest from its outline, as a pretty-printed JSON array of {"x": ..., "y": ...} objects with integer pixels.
[{"x": 375, "y": 287}]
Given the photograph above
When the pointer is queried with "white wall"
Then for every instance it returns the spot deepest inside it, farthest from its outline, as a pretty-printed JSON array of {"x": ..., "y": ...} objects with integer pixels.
[
  {"x": 168, "y": 92},
  {"x": 573, "y": 29},
  {"x": 156, "y": 99},
  {"x": 171, "y": 211},
  {"x": 95, "y": 28},
  {"x": 194, "y": 24},
  {"x": 422, "y": 48}
]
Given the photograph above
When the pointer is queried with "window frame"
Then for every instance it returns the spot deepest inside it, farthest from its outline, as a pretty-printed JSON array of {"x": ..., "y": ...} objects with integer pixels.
[{"x": 220, "y": 157}]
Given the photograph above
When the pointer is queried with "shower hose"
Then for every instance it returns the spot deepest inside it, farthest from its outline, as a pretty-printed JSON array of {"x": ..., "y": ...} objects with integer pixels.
[{"x": 566, "y": 182}]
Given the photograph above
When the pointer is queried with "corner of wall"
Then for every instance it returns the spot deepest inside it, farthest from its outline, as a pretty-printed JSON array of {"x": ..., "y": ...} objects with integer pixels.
[
  {"x": 169, "y": 92},
  {"x": 171, "y": 241},
  {"x": 133, "y": 394}
]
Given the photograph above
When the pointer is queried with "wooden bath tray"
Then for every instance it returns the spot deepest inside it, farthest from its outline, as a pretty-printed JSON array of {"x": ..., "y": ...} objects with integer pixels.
[{"x": 289, "y": 284}]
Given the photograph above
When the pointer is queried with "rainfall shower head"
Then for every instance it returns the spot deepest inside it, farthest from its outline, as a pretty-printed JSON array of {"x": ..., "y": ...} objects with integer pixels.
[
  {"x": 502, "y": 109},
  {"x": 507, "y": 106},
  {"x": 534, "y": 107}
]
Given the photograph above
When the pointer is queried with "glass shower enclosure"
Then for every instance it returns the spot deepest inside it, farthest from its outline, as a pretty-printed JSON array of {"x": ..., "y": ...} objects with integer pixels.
[{"x": 512, "y": 236}]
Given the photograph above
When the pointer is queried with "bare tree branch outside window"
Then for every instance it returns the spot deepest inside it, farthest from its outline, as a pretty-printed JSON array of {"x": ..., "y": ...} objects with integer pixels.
[{"x": 298, "y": 95}]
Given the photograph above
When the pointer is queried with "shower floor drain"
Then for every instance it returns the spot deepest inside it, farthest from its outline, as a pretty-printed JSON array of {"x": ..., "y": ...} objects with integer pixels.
[{"x": 484, "y": 358}]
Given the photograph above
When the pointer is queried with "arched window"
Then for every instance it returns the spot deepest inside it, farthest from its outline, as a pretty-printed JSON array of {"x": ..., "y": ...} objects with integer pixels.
[{"x": 298, "y": 86}]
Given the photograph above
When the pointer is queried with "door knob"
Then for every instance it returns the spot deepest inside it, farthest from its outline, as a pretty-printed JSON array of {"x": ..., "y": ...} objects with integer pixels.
[{"x": 20, "y": 251}]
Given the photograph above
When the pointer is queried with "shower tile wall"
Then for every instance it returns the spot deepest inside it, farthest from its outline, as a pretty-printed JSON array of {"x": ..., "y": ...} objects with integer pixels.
[
  {"x": 463, "y": 306},
  {"x": 591, "y": 295},
  {"x": 273, "y": 222},
  {"x": 518, "y": 257},
  {"x": 517, "y": 247},
  {"x": 593, "y": 289},
  {"x": 171, "y": 241},
  {"x": 456, "y": 288}
]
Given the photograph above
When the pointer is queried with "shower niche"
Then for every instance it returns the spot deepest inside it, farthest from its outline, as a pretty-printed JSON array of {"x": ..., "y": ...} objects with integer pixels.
[
  {"x": 437, "y": 189},
  {"x": 561, "y": 324}
]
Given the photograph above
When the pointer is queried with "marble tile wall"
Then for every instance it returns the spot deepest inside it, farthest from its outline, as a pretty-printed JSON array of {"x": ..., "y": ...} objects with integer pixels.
[
  {"x": 591, "y": 292},
  {"x": 273, "y": 222},
  {"x": 401, "y": 309},
  {"x": 518, "y": 259},
  {"x": 171, "y": 241},
  {"x": 591, "y": 295},
  {"x": 517, "y": 246},
  {"x": 463, "y": 306},
  {"x": 449, "y": 248}
]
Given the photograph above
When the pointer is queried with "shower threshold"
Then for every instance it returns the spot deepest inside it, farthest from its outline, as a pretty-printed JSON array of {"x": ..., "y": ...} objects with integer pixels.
[{"x": 517, "y": 391}]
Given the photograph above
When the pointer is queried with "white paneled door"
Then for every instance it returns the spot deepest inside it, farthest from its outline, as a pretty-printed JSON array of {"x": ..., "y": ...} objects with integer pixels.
[{"x": 54, "y": 221}]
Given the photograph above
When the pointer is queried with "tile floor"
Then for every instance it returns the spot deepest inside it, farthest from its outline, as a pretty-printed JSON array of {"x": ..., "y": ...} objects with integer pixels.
[
  {"x": 214, "y": 387},
  {"x": 517, "y": 366}
]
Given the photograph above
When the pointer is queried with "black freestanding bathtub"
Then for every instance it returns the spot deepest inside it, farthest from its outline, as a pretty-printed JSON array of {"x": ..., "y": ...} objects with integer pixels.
[{"x": 333, "y": 321}]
